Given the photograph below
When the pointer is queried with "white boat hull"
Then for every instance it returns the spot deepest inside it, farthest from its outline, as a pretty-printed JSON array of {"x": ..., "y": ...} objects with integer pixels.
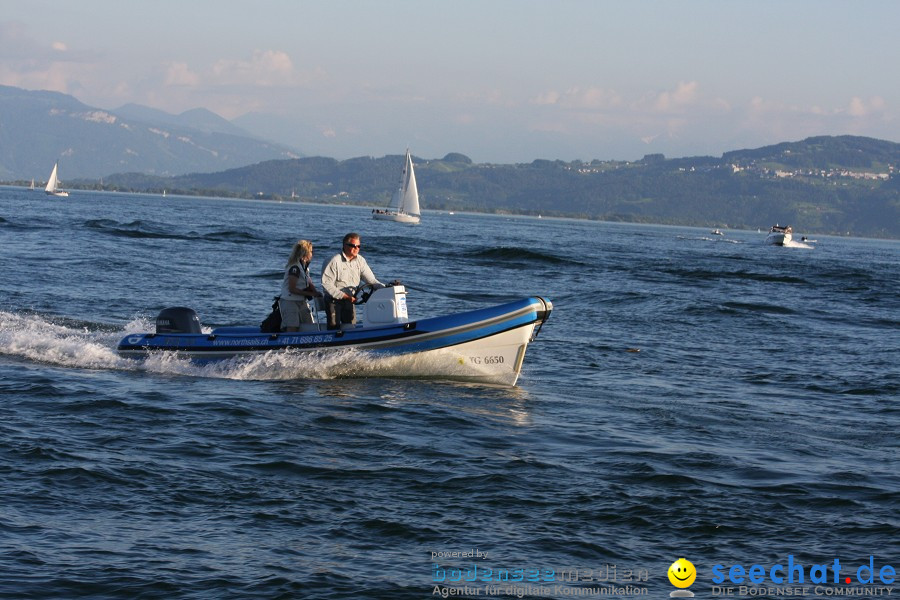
[
  {"x": 778, "y": 239},
  {"x": 496, "y": 359},
  {"x": 395, "y": 216}
]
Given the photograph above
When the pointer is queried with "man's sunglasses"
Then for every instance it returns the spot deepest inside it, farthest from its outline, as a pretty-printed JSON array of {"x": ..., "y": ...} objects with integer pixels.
[{"x": 354, "y": 245}]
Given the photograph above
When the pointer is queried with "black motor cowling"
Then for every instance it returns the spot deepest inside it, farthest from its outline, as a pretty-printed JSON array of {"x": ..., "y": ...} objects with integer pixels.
[{"x": 177, "y": 319}]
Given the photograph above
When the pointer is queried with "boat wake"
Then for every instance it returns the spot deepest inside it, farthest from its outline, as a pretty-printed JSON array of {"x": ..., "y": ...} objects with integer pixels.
[
  {"x": 268, "y": 366},
  {"x": 796, "y": 244},
  {"x": 41, "y": 339},
  {"x": 710, "y": 238}
]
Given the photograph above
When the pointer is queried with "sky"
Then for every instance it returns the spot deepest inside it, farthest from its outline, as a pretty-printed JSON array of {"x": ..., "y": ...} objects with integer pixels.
[{"x": 501, "y": 81}]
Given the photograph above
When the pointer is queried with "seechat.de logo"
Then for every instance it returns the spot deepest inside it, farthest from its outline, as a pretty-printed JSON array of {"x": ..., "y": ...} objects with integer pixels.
[
  {"x": 682, "y": 574},
  {"x": 791, "y": 571}
]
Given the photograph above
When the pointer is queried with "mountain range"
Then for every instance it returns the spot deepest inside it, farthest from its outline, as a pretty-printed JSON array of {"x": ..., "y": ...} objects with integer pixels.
[{"x": 37, "y": 128}]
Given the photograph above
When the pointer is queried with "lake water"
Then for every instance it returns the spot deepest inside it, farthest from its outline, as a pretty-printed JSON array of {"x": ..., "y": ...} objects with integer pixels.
[{"x": 691, "y": 396}]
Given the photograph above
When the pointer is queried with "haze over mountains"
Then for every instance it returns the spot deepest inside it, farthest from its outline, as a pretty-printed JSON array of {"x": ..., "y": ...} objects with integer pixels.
[{"x": 37, "y": 128}]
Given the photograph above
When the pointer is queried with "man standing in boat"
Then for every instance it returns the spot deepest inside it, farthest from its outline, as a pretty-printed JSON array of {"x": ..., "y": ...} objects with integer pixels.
[{"x": 340, "y": 277}]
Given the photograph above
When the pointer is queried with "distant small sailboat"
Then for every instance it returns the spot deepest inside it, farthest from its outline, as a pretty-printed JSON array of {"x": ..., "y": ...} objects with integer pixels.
[
  {"x": 404, "y": 207},
  {"x": 53, "y": 188},
  {"x": 31, "y": 187}
]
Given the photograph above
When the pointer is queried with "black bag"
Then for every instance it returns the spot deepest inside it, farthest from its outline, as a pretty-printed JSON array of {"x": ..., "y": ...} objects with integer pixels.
[{"x": 272, "y": 323}]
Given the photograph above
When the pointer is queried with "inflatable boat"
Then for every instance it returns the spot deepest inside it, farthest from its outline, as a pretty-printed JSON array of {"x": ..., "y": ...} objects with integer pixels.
[{"x": 486, "y": 344}]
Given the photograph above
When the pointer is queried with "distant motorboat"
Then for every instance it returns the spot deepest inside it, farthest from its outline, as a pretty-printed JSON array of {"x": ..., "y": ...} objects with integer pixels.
[
  {"x": 779, "y": 235},
  {"x": 404, "y": 207},
  {"x": 53, "y": 185},
  {"x": 716, "y": 232}
]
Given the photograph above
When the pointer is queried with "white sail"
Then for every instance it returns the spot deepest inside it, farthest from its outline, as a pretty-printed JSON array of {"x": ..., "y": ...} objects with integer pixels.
[
  {"x": 404, "y": 206},
  {"x": 53, "y": 183},
  {"x": 410, "y": 199}
]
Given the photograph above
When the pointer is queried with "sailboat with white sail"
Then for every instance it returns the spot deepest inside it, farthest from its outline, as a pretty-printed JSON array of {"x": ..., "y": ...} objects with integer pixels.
[
  {"x": 404, "y": 207},
  {"x": 53, "y": 187}
]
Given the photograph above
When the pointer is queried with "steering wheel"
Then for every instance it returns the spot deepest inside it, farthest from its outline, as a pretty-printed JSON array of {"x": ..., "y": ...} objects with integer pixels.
[{"x": 363, "y": 292}]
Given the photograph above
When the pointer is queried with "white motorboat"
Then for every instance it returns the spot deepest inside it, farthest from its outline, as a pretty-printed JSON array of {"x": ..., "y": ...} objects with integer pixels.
[
  {"x": 404, "y": 207},
  {"x": 716, "y": 232},
  {"x": 486, "y": 344},
  {"x": 779, "y": 235}
]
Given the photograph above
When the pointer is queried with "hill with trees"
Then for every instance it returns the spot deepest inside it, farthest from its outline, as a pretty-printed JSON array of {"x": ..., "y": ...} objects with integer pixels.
[{"x": 829, "y": 185}]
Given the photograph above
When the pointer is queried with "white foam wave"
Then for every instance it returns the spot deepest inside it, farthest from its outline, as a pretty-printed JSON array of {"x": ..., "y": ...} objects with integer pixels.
[
  {"x": 40, "y": 339},
  {"x": 274, "y": 365},
  {"x": 706, "y": 238}
]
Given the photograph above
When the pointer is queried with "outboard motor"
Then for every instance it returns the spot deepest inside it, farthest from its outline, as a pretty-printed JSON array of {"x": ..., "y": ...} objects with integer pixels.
[{"x": 177, "y": 319}]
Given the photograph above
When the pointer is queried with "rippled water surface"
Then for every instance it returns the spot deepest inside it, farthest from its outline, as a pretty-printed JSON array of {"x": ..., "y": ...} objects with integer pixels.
[{"x": 691, "y": 395}]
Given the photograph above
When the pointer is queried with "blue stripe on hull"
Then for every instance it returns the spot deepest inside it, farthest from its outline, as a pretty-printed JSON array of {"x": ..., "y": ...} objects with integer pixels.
[{"x": 420, "y": 336}]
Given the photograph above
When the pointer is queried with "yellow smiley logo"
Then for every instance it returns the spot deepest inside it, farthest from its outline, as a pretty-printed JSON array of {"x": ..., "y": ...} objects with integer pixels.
[{"x": 682, "y": 573}]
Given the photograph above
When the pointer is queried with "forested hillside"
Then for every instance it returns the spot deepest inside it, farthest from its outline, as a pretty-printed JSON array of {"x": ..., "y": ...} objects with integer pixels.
[{"x": 836, "y": 185}]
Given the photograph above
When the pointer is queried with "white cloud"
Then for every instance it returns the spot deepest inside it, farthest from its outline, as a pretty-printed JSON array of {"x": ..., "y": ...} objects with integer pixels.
[
  {"x": 861, "y": 108},
  {"x": 856, "y": 107},
  {"x": 180, "y": 74},
  {"x": 265, "y": 68},
  {"x": 547, "y": 98},
  {"x": 760, "y": 106},
  {"x": 590, "y": 98},
  {"x": 57, "y": 76},
  {"x": 684, "y": 94},
  {"x": 493, "y": 97},
  {"x": 34, "y": 63}
]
